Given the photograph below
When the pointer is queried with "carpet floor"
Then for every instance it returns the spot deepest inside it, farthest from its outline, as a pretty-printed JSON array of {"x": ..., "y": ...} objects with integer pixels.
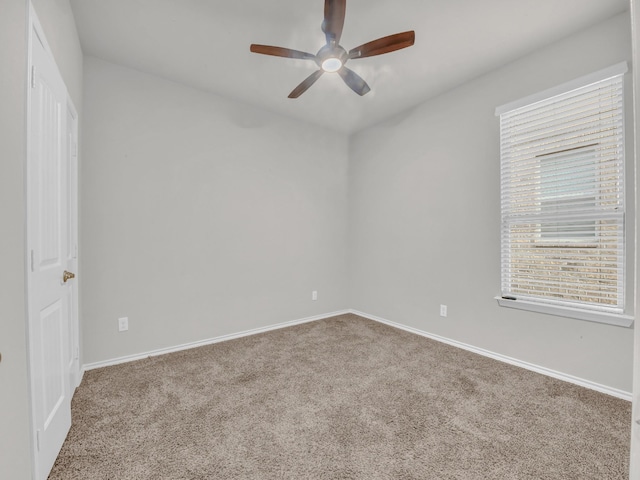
[{"x": 341, "y": 398}]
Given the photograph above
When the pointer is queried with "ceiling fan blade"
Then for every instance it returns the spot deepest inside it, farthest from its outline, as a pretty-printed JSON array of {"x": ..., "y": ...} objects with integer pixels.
[
  {"x": 384, "y": 45},
  {"x": 354, "y": 81},
  {"x": 334, "y": 12},
  {"x": 304, "y": 86},
  {"x": 280, "y": 52}
]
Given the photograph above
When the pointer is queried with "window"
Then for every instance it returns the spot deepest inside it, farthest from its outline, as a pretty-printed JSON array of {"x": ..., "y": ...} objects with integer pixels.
[{"x": 562, "y": 197}]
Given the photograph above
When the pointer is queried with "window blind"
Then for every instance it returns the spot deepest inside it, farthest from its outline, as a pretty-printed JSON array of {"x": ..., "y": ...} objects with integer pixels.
[{"x": 562, "y": 198}]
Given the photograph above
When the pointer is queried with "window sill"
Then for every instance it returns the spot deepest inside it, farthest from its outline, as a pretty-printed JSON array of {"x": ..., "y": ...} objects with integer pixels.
[{"x": 620, "y": 320}]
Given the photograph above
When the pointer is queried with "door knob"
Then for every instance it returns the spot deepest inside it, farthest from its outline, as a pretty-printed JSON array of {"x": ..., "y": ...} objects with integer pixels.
[{"x": 67, "y": 276}]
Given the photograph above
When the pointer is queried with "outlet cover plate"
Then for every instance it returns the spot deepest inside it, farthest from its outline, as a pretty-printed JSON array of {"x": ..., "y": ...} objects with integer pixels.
[{"x": 123, "y": 324}]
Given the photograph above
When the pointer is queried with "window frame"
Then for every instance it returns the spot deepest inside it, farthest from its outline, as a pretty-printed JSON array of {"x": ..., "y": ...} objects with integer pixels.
[{"x": 590, "y": 312}]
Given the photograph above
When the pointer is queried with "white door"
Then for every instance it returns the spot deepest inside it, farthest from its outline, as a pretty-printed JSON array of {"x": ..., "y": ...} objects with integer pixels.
[{"x": 48, "y": 238}]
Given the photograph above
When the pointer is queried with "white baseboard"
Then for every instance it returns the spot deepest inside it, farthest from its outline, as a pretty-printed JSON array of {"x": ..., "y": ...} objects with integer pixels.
[
  {"x": 496, "y": 356},
  {"x": 503, "y": 358},
  {"x": 200, "y": 343}
]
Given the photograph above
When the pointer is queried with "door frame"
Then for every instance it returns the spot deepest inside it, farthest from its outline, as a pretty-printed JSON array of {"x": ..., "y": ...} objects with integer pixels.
[
  {"x": 635, "y": 417},
  {"x": 35, "y": 28},
  {"x": 74, "y": 171}
]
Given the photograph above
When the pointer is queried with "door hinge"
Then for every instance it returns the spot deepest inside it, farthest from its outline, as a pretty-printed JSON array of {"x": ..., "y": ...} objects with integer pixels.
[
  {"x": 33, "y": 76},
  {"x": 77, "y": 353},
  {"x": 38, "y": 440},
  {"x": 32, "y": 261}
]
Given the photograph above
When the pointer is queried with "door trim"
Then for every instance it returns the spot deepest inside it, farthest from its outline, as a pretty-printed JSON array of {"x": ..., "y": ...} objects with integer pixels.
[{"x": 74, "y": 188}]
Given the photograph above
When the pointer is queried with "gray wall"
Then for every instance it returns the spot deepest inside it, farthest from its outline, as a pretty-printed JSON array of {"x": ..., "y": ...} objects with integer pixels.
[
  {"x": 202, "y": 216},
  {"x": 15, "y": 459},
  {"x": 425, "y": 218}
]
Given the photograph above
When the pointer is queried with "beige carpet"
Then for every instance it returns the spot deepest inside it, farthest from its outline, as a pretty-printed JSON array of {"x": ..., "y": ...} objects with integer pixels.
[{"x": 342, "y": 398}]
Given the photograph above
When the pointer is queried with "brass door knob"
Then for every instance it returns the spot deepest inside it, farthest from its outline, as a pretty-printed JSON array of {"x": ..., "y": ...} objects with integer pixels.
[{"x": 67, "y": 276}]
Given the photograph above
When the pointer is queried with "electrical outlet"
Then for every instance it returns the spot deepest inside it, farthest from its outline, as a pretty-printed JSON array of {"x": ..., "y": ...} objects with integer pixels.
[
  {"x": 443, "y": 310},
  {"x": 123, "y": 324},
  {"x": 314, "y": 295}
]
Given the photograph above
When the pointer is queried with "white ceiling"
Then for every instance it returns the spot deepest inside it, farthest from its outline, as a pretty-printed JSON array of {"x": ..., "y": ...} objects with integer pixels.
[{"x": 205, "y": 44}]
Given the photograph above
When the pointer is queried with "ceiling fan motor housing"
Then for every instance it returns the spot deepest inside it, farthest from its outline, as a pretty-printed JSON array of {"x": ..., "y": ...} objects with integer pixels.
[{"x": 328, "y": 51}]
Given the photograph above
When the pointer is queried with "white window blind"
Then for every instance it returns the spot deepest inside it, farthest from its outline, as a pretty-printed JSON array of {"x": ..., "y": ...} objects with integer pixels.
[{"x": 562, "y": 199}]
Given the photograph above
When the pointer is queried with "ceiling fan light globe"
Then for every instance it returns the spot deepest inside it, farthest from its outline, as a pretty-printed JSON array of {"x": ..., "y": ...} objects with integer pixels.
[{"x": 331, "y": 65}]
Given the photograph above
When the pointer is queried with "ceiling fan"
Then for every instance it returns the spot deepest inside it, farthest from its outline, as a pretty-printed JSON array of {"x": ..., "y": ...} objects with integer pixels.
[{"x": 332, "y": 57}]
